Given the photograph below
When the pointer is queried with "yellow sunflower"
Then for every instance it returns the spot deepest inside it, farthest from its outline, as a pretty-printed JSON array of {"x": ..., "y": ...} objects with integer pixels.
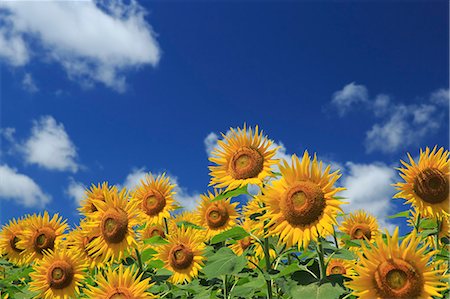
[
  {"x": 95, "y": 193},
  {"x": 58, "y": 275},
  {"x": 41, "y": 233},
  {"x": 340, "y": 266},
  {"x": 301, "y": 206},
  {"x": 186, "y": 216},
  {"x": 122, "y": 282},
  {"x": 10, "y": 235},
  {"x": 243, "y": 157},
  {"x": 154, "y": 196},
  {"x": 252, "y": 214},
  {"x": 215, "y": 216},
  {"x": 396, "y": 271},
  {"x": 359, "y": 226},
  {"x": 183, "y": 255},
  {"x": 426, "y": 184},
  {"x": 113, "y": 226}
]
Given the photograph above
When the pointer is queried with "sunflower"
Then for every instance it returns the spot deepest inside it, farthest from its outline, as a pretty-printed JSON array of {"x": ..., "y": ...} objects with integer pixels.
[
  {"x": 178, "y": 219},
  {"x": 10, "y": 235},
  {"x": 95, "y": 193},
  {"x": 41, "y": 233},
  {"x": 340, "y": 266},
  {"x": 359, "y": 226},
  {"x": 112, "y": 225},
  {"x": 443, "y": 229},
  {"x": 252, "y": 214},
  {"x": 216, "y": 216},
  {"x": 183, "y": 255},
  {"x": 243, "y": 157},
  {"x": 426, "y": 184},
  {"x": 58, "y": 275},
  {"x": 300, "y": 206},
  {"x": 154, "y": 196},
  {"x": 122, "y": 282},
  {"x": 396, "y": 271}
]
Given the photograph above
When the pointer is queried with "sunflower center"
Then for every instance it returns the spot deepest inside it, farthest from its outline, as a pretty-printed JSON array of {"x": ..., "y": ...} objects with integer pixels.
[
  {"x": 246, "y": 163},
  {"x": 360, "y": 232},
  {"x": 431, "y": 185},
  {"x": 44, "y": 238},
  {"x": 119, "y": 293},
  {"x": 156, "y": 231},
  {"x": 396, "y": 278},
  {"x": 60, "y": 275},
  {"x": 216, "y": 216},
  {"x": 337, "y": 270},
  {"x": 153, "y": 203},
  {"x": 13, "y": 242},
  {"x": 245, "y": 243},
  {"x": 181, "y": 257},
  {"x": 303, "y": 204},
  {"x": 114, "y": 225}
]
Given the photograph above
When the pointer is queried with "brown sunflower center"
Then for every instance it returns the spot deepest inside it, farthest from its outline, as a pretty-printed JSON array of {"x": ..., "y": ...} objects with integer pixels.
[
  {"x": 114, "y": 225},
  {"x": 338, "y": 269},
  {"x": 361, "y": 231},
  {"x": 44, "y": 238},
  {"x": 216, "y": 216},
  {"x": 396, "y": 278},
  {"x": 119, "y": 293},
  {"x": 431, "y": 185},
  {"x": 156, "y": 231},
  {"x": 60, "y": 275},
  {"x": 181, "y": 257},
  {"x": 13, "y": 243},
  {"x": 246, "y": 163},
  {"x": 303, "y": 204},
  {"x": 153, "y": 203},
  {"x": 245, "y": 242}
]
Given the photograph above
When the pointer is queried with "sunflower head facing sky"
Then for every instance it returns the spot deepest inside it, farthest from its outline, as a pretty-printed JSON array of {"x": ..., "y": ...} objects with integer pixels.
[
  {"x": 426, "y": 183},
  {"x": 390, "y": 270},
  {"x": 96, "y": 192},
  {"x": 360, "y": 226},
  {"x": 243, "y": 157},
  {"x": 300, "y": 206}
]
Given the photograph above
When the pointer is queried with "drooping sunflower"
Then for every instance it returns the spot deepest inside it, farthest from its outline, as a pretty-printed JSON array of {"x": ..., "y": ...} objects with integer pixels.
[
  {"x": 10, "y": 235},
  {"x": 58, "y": 275},
  {"x": 243, "y": 157},
  {"x": 426, "y": 184},
  {"x": 300, "y": 206},
  {"x": 154, "y": 196},
  {"x": 396, "y": 271},
  {"x": 360, "y": 225},
  {"x": 113, "y": 225},
  {"x": 95, "y": 193},
  {"x": 215, "y": 216},
  {"x": 122, "y": 282},
  {"x": 183, "y": 255},
  {"x": 41, "y": 233}
]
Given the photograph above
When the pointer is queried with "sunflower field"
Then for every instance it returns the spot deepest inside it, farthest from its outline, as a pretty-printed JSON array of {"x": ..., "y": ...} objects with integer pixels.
[{"x": 291, "y": 238}]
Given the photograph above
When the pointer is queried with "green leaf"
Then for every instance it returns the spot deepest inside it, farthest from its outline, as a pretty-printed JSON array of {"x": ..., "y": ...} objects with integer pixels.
[
  {"x": 148, "y": 254},
  {"x": 353, "y": 243},
  {"x": 224, "y": 261},
  {"x": 344, "y": 254},
  {"x": 288, "y": 270},
  {"x": 155, "y": 264},
  {"x": 235, "y": 233},
  {"x": 317, "y": 291},
  {"x": 427, "y": 223},
  {"x": 231, "y": 193},
  {"x": 156, "y": 240},
  {"x": 187, "y": 224},
  {"x": 404, "y": 214},
  {"x": 428, "y": 232}
]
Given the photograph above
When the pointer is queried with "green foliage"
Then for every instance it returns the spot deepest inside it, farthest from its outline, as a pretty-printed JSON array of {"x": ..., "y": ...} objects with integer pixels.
[
  {"x": 232, "y": 193},
  {"x": 235, "y": 233},
  {"x": 224, "y": 261}
]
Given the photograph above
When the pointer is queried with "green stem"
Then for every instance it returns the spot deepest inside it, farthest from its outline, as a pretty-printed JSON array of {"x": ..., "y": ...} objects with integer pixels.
[
  {"x": 268, "y": 266},
  {"x": 225, "y": 296},
  {"x": 320, "y": 254},
  {"x": 335, "y": 239},
  {"x": 436, "y": 236},
  {"x": 416, "y": 225},
  {"x": 139, "y": 260}
]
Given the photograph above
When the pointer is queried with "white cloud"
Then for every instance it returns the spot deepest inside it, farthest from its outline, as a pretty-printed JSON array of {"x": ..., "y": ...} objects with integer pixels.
[
  {"x": 211, "y": 142},
  {"x": 21, "y": 188},
  {"x": 440, "y": 96},
  {"x": 75, "y": 190},
  {"x": 93, "y": 41},
  {"x": 381, "y": 104},
  {"x": 369, "y": 188},
  {"x": 29, "y": 84},
  {"x": 349, "y": 96},
  {"x": 49, "y": 146}
]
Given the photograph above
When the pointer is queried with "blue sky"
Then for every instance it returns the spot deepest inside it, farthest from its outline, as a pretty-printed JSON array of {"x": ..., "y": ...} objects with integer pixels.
[{"x": 105, "y": 92}]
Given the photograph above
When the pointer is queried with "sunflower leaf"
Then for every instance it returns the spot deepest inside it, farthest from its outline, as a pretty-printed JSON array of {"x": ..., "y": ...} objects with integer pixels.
[
  {"x": 224, "y": 261},
  {"x": 187, "y": 224},
  {"x": 232, "y": 193},
  {"x": 315, "y": 290},
  {"x": 235, "y": 233},
  {"x": 156, "y": 240},
  {"x": 403, "y": 214}
]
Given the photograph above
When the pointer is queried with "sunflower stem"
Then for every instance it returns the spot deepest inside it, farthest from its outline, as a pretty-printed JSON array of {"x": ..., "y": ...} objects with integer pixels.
[
  {"x": 417, "y": 224},
  {"x": 436, "y": 236},
  {"x": 139, "y": 260},
  {"x": 225, "y": 296},
  {"x": 166, "y": 226},
  {"x": 335, "y": 238},
  {"x": 320, "y": 254},
  {"x": 268, "y": 267}
]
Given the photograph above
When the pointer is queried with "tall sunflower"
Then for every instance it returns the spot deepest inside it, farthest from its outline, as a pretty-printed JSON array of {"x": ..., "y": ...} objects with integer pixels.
[
  {"x": 95, "y": 193},
  {"x": 122, "y": 282},
  {"x": 113, "y": 224},
  {"x": 41, "y": 233},
  {"x": 360, "y": 225},
  {"x": 58, "y": 275},
  {"x": 243, "y": 157},
  {"x": 396, "y": 271},
  {"x": 426, "y": 184},
  {"x": 10, "y": 235},
  {"x": 216, "y": 216},
  {"x": 300, "y": 206},
  {"x": 183, "y": 255},
  {"x": 154, "y": 196}
]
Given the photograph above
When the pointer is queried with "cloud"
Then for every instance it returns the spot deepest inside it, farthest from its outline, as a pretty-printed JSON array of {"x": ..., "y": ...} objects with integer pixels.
[
  {"x": 49, "y": 146},
  {"x": 29, "y": 84},
  {"x": 369, "y": 188},
  {"x": 349, "y": 96},
  {"x": 211, "y": 142},
  {"x": 440, "y": 97},
  {"x": 92, "y": 41},
  {"x": 21, "y": 189},
  {"x": 75, "y": 190}
]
